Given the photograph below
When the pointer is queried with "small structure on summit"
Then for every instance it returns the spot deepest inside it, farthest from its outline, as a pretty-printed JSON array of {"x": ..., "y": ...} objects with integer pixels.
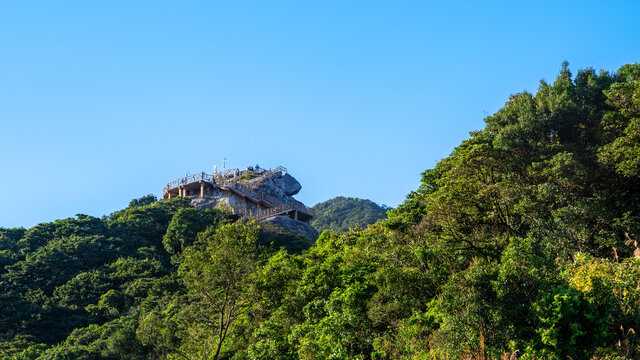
[{"x": 262, "y": 194}]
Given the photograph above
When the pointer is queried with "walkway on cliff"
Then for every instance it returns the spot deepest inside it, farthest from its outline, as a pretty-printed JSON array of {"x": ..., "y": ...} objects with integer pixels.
[{"x": 231, "y": 181}]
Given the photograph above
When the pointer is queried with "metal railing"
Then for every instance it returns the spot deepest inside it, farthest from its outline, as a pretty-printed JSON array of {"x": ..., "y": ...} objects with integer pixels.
[
  {"x": 278, "y": 205},
  {"x": 229, "y": 180},
  {"x": 281, "y": 209},
  {"x": 273, "y": 201},
  {"x": 189, "y": 179},
  {"x": 224, "y": 178}
]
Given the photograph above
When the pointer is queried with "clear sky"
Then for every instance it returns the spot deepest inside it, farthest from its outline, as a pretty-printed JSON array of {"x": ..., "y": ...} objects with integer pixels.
[{"x": 105, "y": 101}]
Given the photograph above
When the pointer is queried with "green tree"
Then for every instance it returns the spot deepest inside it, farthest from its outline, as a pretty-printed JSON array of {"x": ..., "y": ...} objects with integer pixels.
[
  {"x": 185, "y": 226},
  {"x": 216, "y": 272},
  {"x": 143, "y": 201},
  {"x": 342, "y": 213}
]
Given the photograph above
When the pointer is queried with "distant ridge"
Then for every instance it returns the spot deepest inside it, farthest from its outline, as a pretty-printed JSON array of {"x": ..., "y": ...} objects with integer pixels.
[{"x": 342, "y": 213}]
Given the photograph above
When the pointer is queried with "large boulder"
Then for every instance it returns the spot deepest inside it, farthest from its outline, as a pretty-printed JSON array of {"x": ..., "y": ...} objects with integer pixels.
[
  {"x": 246, "y": 195},
  {"x": 292, "y": 226},
  {"x": 289, "y": 185},
  {"x": 278, "y": 185}
]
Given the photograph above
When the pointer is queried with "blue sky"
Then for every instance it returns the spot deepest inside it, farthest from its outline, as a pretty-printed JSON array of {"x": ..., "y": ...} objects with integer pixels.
[{"x": 102, "y": 102}]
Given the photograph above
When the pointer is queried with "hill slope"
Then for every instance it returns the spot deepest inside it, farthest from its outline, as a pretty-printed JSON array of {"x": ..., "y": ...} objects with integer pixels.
[
  {"x": 521, "y": 243},
  {"x": 341, "y": 213},
  {"x": 89, "y": 280}
]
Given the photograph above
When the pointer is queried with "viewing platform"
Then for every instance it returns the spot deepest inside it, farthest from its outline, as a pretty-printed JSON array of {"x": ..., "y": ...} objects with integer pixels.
[{"x": 237, "y": 183}]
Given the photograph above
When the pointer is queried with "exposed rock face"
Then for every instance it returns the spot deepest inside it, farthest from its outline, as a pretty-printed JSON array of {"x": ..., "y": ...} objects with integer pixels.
[
  {"x": 226, "y": 200},
  {"x": 277, "y": 184},
  {"x": 292, "y": 226},
  {"x": 288, "y": 184},
  {"x": 261, "y": 195}
]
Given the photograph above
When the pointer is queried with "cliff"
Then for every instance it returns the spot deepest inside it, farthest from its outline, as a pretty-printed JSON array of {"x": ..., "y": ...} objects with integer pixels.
[{"x": 265, "y": 195}]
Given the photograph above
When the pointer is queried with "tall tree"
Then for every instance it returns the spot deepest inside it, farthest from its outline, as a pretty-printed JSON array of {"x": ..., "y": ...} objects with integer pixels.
[{"x": 216, "y": 273}]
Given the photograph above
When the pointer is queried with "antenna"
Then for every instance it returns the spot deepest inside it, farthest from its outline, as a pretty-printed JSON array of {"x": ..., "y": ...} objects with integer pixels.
[{"x": 224, "y": 160}]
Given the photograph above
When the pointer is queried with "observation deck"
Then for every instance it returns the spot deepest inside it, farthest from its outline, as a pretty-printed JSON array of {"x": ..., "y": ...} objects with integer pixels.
[{"x": 232, "y": 181}]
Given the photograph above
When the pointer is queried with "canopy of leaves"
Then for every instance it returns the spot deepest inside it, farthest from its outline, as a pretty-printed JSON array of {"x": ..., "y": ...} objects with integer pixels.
[
  {"x": 523, "y": 243},
  {"x": 342, "y": 213}
]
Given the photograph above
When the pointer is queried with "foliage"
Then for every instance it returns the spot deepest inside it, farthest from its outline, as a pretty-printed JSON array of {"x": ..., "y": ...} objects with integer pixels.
[
  {"x": 82, "y": 273},
  {"x": 247, "y": 175},
  {"x": 216, "y": 274},
  {"x": 143, "y": 201},
  {"x": 185, "y": 226},
  {"x": 342, "y": 213},
  {"x": 520, "y": 244}
]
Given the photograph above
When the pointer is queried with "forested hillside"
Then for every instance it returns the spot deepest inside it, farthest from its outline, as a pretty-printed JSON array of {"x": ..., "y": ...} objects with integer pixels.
[
  {"x": 520, "y": 244},
  {"x": 342, "y": 213}
]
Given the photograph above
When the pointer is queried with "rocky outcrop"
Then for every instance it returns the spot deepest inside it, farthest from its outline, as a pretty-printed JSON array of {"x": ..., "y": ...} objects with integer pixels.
[
  {"x": 292, "y": 226},
  {"x": 288, "y": 184},
  {"x": 279, "y": 185},
  {"x": 262, "y": 195}
]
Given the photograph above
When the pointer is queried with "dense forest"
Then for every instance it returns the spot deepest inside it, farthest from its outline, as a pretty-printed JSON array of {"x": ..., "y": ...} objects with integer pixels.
[
  {"x": 343, "y": 213},
  {"x": 523, "y": 243}
]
